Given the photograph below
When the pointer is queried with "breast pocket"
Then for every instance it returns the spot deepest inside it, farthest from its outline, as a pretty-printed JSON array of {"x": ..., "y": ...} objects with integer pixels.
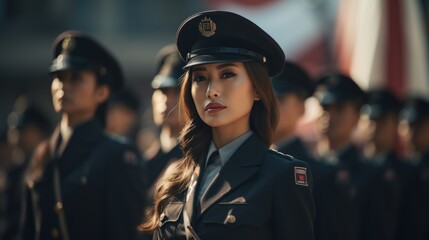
[
  {"x": 235, "y": 221},
  {"x": 171, "y": 213},
  {"x": 234, "y": 215}
]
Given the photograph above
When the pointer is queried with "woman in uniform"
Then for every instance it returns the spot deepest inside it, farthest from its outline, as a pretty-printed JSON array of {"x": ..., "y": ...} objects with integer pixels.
[
  {"x": 230, "y": 185},
  {"x": 82, "y": 184}
]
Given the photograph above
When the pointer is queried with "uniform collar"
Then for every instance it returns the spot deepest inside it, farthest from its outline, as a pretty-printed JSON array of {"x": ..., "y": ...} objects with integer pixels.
[{"x": 229, "y": 149}]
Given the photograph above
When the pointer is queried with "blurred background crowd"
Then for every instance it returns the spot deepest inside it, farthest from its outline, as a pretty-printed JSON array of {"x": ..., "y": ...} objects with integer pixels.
[{"x": 381, "y": 44}]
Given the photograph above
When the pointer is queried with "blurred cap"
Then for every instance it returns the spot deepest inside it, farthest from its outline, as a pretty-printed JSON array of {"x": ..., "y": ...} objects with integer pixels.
[
  {"x": 75, "y": 51},
  {"x": 381, "y": 102},
  {"x": 415, "y": 110},
  {"x": 219, "y": 36},
  {"x": 293, "y": 79},
  {"x": 169, "y": 68},
  {"x": 30, "y": 116},
  {"x": 337, "y": 88}
]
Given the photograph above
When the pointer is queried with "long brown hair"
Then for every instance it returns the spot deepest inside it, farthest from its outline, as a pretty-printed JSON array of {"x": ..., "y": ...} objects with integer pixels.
[{"x": 195, "y": 137}]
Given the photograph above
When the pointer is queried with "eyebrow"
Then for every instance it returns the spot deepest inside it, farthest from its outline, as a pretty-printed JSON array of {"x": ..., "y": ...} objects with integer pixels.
[{"x": 218, "y": 67}]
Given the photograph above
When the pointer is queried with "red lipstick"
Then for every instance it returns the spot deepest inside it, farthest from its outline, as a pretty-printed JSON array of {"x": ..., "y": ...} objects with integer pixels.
[{"x": 214, "y": 107}]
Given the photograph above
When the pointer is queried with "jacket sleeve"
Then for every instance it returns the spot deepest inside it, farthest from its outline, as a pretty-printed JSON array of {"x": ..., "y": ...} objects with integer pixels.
[
  {"x": 293, "y": 203},
  {"x": 126, "y": 194}
]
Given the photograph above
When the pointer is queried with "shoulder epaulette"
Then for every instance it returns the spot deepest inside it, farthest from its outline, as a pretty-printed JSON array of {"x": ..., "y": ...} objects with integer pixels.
[{"x": 282, "y": 155}]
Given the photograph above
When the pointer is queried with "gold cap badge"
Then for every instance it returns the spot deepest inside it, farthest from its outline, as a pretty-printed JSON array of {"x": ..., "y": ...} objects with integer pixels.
[
  {"x": 68, "y": 43},
  {"x": 207, "y": 27}
]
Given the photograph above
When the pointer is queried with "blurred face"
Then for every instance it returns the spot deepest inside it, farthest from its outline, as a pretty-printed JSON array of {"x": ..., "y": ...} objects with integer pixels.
[
  {"x": 339, "y": 121},
  {"x": 291, "y": 108},
  {"x": 223, "y": 95},
  {"x": 420, "y": 135},
  {"x": 384, "y": 132},
  {"x": 76, "y": 93},
  {"x": 164, "y": 106},
  {"x": 29, "y": 137},
  {"x": 120, "y": 119}
]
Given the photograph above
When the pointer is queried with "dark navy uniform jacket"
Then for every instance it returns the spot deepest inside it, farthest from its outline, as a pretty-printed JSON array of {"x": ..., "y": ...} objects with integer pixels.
[
  {"x": 161, "y": 161},
  {"x": 414, "y": 216},
  {"x": 342, "y": 187},
  {"x": 258, "y": 194},
  {"x": 382, "y": 206},
  {"x": 102, "y": 188}
]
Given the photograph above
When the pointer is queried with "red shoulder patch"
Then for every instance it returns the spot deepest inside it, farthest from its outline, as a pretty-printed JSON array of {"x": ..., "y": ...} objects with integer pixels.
[{"x": 301, "y": 176}]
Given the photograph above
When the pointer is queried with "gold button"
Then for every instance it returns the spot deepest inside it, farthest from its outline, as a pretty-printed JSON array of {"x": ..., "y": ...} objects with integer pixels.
[
  {"x": 55, "y": 233},
  {"x": 30, "y": 184},
  {"x": 83, "y": 180},
  {"x": 58, "y": 207},
  {"x": 231, "y": 218}
]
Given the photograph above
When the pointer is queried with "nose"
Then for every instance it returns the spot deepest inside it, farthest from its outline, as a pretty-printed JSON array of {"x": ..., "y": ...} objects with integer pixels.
[{"x": 212, "y": 91}]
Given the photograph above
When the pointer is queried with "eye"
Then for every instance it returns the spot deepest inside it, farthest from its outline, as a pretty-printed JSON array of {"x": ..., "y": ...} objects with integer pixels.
[
  {"x": 228, "y": 75},
  {"x": 198, "y": 78},
  {"x": 76, "y": 77}
]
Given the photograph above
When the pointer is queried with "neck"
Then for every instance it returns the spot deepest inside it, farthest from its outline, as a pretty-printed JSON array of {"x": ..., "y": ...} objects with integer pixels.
[
  {"x": 168, "y": 139},
  {"x": 338, "y": 143},
  {"x": 171, "y": 131},
  {"x": 224, "y": 135},
  {"x": 283, "y": 136},
  {"x": 380, "y": 148},
  {"x": 71, "y": 121}
]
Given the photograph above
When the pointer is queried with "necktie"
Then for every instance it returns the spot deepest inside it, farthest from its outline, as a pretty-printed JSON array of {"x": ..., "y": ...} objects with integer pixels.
[{"x": 209, "y": 174}]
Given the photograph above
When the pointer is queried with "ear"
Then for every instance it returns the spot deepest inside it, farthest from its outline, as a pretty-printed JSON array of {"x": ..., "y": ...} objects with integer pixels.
[
  {"x": 301, "y": 107},
  {"x": 102, "y": 93},
  {"x": 257, "y": 97}
]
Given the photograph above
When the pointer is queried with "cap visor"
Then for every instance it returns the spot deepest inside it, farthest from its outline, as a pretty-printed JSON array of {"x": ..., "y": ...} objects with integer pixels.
[
  {"x": 220, "y": 58},
  {"x": 70, "y": 63},
  {"x": 161, "y": 81}
]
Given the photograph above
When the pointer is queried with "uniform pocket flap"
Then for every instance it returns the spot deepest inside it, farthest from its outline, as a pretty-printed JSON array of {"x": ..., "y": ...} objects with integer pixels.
[
  {"x": 172, "y": 212},
  {"x": 234, "y": 214}
]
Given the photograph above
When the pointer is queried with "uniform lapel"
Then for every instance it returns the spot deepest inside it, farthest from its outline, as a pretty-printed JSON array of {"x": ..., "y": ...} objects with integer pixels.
[
  {"x": 240, "y": 167},
  {"x": 53, "y": 142},
  {"x": 81, "y": 143}
]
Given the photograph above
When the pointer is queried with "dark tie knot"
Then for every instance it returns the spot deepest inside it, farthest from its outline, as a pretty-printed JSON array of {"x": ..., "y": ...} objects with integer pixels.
[{"x": 214, "y": 158}]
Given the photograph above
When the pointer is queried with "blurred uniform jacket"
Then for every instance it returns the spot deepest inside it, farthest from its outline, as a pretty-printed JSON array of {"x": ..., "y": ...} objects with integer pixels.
[
  {"x": 255, "y": 196},
  {"x": 157, "y": 165},
  {"x": 101, "y": 182},
  {"x": 415, "y": 208},
  {"x": 342, "y": 186},
  {"x": 380, "y": 218}
]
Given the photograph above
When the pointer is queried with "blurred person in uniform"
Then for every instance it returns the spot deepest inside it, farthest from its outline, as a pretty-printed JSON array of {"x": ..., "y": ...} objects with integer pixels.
[
  {"x": 292, "y": 87},
  {"x": 381, "y": 215},
  {"x": 343, "y": 181},
  {"x": 82, "y": 184},
  {"x": 230, "y": 185},
  {"x": 164, "y": 148},
  {"x": 165, "y": 97},
  {"x": 28, "y": 126},
  {"x": 5, "y": 156},
  {"x": 122, "y": 114},
  {"x": 415, "y": 211}
]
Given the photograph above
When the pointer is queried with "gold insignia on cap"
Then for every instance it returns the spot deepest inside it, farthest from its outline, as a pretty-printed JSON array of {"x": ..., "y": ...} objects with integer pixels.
[
  {"x": 68, "y": 43},
  {"x": 103, "y": 71},
  {"x": 264, "y": 59},
  {"x": 207, "y": 27}
]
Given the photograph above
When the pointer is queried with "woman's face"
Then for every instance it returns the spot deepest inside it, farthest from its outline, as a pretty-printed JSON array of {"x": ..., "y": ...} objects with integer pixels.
[
  {"x": 223, "y": 94},
  {"x": 76, "y": 92}
]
